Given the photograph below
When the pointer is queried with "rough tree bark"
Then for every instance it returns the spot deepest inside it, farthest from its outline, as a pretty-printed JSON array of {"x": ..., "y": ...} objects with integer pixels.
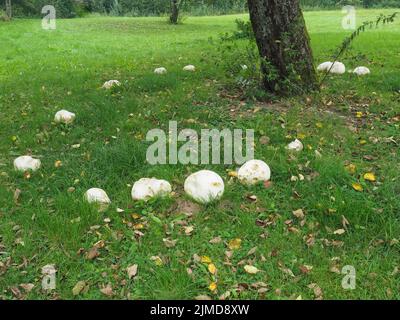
[
  {"x": 8, "y": 9},
  {"x": 174, "y": 11},
  {"x": 283, "y": 43}
]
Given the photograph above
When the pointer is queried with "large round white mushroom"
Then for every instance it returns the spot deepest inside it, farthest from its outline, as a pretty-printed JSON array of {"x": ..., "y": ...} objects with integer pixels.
[
  {"x": 296, "y": 145},
  {"x": 111, "y": 83},
  {"x": 190, "y": 68},
  {"x": 253, "y": 172},
  {"x": 99, "y": 197},
  {"x": 26, "y": 163},
  {"x": 160, "y": 70},
  {"x": 64, "y": 116},
  {"x": 146, "y": 188},
  {"x": 335, "y": 68},
  {"x": 325, "y": 66},
  {"x": 361, "y": 71},
  {"x": 204, "y": 186}
]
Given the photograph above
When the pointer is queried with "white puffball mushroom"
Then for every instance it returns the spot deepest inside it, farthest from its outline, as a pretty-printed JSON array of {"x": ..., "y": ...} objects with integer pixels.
[
  {"x": 361, "y": 71},
  {"x": 64, "y": 116},
  {"x": 25, "y": 163},
  {"x": 335, "y": 68},
  {"x": 244, "y": 67},
  {"x": 338, "y": 68},
  {"x": 253, "y": 172},
  {"x": 324, "y": 66},
  {"x": 146, "y": 188},
  {"x": 160, "y": 70},
  {"x": 204, "y": 186},
  {"x": 110, "y": 84},
  {"x": 296, "y": 145},
  {"x": 99, "y": 197},
  {"x": 190, "y": 68}
]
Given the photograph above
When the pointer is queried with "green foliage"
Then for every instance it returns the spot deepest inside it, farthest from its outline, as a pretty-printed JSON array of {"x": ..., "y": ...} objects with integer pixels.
[{"x": 73, "y": 8}]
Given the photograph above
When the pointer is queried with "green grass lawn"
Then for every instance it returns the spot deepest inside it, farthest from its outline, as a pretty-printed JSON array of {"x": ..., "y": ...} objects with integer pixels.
[{"x": 352, "y": 121}]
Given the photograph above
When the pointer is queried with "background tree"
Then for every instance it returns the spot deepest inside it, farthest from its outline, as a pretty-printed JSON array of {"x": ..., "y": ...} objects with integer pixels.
[
  {"x": 174, "y": 11},
  {"x": 8, "y": 9},
  {"x": 283, "y": 44}
]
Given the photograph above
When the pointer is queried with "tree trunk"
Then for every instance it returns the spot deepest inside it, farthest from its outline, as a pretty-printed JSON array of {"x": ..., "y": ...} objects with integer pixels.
[
  {"x": 8, "y": 9},
  {"x": 174, "y": 12},
  {"x": 284, "y": 45}
]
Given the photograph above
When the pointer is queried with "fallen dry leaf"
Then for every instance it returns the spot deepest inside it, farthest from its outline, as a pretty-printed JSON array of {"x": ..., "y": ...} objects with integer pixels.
[
  {"x": 358, "y": 187},
  {"x": 78, "y": 288},
  {"x": 212, "y": 269},
  {"x": 369, "y": 176},
  {"x": 251, "y": 269},
  {"x": 216, "y": 240},
  {"x": 235, "y": 244},
  {"x": 107, "y": 290},
  {"x": 299, "y": 214},
  {"x": 212, "y": 286},
  {"x": 205, "y": 259},
  {"x": 132, "y": 271}
]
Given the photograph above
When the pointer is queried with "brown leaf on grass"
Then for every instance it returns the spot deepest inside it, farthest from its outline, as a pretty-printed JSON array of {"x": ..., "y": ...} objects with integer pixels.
[
  {"x": 267, "y": 184},
  {"x": 107, "y": 290},
  {"x": 188, "y": 230},
  {"x": 225, "y": 296},
  {"x": 317, "y": 291},
  {"x": 216, "y": 240},
  {"x": 132, "y": 271},
  {"x": 16, "y": 292},
  {"x": 78, "y": 288},
  {"x": 252, "y": 251},
  {"x": 27, "y": 287},
  {"x": 299, "y": 214},
  {"x": 17, "y": 194},
  {"x": 305, "y": 269},
  {"x": 202, "y": 298},
  {"x": 169, "y": 243},
  {"x": 93, "y": 253}
]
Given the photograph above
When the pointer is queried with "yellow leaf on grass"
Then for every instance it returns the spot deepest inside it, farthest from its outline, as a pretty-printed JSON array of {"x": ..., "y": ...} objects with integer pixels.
[
  {"x": 233, "y": 174},
  {"x": 235, "y": 244},
  {"x": 369, "y": 176},
  {"x": 205, "y": 259},
  {"x": 212, "y": 268},
  {"x": 251, "y": 269},
  {"x": 212, "y": 286},
  {"x": 351, "y": 168},
  {"x": 357, "y": 187}
]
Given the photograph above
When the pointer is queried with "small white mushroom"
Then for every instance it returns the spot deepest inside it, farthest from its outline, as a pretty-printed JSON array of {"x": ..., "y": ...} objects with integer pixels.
[
  {"x": 204, "y": 186},
  {"x": 99, "y": 197},
  {"x": 160, "y": 70},
  {"x": 146, "y": 188},
  {"x": 190, "y": 68},
  {"x": 64, "y": 116},
  {"x": 296, "y": 145},
  {"x": 244, "y": 67},
  {"x": 253, "y": 172},
  {"x": 25, "y": 163},
  {"x": 111, "y": 83},
  {"x": 361, "y": 71},
  {"x": 335, "y": 68}
]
